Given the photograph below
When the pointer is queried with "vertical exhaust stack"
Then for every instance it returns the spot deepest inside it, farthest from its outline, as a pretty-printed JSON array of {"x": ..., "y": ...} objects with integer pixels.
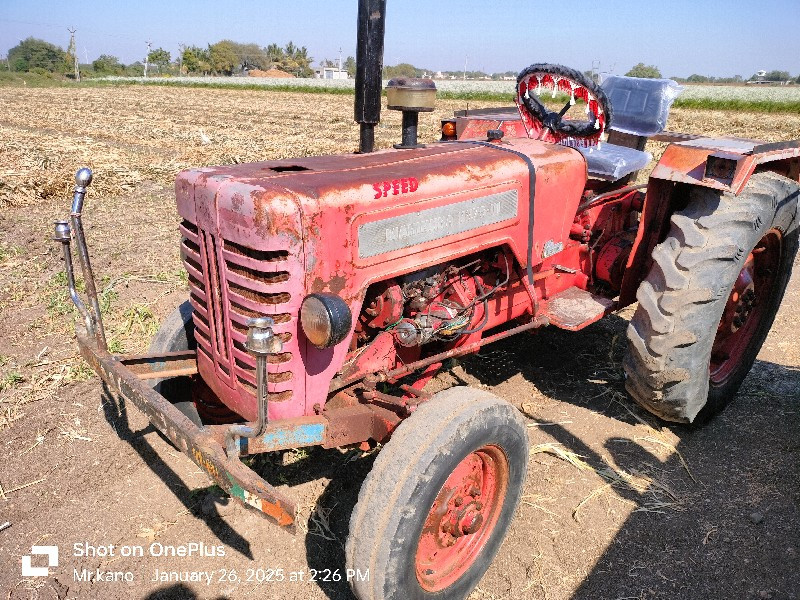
[{"x": 369, "y": 69}]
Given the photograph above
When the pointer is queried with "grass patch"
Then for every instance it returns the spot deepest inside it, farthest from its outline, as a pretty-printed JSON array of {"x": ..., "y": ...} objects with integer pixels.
[
  {"x": 58, "y": 301},
  {"x": 115, "y": 346},
  {"x": 7, "y": 252},
  {"x": 737, "y": 105},
  {"x": 220, "y": 85},
  {"x": 10, "y": 380},
  {"x": 32, "y": 80},
  {"x": 106, "y": 297},
  {"x": 139, "y": 319},
  {"x": 79, "y": 372}
]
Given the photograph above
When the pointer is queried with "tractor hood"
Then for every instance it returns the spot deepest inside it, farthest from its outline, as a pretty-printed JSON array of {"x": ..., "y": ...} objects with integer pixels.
[{"x": 321, "y": 208}]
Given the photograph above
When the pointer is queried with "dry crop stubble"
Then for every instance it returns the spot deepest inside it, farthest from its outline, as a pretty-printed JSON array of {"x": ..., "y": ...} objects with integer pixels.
[{"x": 135, "y": 134}]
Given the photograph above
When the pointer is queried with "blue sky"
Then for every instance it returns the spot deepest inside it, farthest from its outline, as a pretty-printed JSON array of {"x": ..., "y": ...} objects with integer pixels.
[{"x": 681, "y": 37}]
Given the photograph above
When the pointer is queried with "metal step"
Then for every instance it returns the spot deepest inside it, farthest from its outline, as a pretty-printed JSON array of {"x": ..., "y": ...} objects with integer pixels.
[{"x": 575, "y": 308}]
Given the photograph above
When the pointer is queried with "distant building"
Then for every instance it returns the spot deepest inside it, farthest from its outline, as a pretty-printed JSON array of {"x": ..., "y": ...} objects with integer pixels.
[{"x": 331, "y": 73}]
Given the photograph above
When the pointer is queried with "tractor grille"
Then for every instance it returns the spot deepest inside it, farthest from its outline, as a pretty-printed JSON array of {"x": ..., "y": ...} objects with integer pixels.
[{"x": 230, "y": 284}]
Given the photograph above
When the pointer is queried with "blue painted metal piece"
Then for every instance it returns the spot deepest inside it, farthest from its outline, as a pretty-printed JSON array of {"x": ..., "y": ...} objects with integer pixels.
[{"x": 283, "y": 435}]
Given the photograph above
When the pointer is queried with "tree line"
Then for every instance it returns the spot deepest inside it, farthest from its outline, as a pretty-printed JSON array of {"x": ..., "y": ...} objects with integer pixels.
[
  {"x": 651, "y": 71},
  {"x": 225, "y": 57}
]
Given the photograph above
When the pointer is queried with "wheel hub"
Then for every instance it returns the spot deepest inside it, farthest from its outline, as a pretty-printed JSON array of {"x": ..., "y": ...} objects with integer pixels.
[
  {"x": 742, "y": 298},
  {"x": 462, "y": 518},
  {"x": 463, "y": 514}
]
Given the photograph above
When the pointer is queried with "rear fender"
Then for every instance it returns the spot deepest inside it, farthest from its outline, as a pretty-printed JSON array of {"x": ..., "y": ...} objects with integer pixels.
[{"x": 725, "y": 164}]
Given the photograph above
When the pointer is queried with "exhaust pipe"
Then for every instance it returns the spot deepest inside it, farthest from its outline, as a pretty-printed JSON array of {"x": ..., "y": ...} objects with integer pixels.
[
  {"x": 261, "y": 342},
  {"x": 369, "y": 69}
]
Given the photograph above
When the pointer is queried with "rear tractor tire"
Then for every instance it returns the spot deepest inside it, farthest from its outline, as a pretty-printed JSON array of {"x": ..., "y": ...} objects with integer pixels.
[
  {"x": 710, "y": 298},
  {"x": 432, "y": 513}
]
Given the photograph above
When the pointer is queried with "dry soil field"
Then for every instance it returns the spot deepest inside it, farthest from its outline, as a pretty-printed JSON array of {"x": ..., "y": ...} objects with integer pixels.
[{"x": 648, "y": 511}]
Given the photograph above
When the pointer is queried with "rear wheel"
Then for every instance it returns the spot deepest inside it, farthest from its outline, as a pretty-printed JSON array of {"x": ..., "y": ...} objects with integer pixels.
[
  {"x": 711, "y": 296},
  {"x": 436, "y": 506}
]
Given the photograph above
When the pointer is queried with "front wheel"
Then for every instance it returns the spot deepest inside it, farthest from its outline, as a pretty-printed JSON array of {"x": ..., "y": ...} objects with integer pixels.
[
  {"x": 188, "y": 394},
  {"x": 711, "y": 296},
  {"x": 175, "y": 334},
  {"x": 436, "y": 506}
]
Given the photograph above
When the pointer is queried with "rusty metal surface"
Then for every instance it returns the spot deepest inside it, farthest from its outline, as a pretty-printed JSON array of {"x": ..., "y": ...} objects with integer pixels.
[
  {"x": 674, "y": 136},
  {"x": 574, "y": 308},
  {"x": 357, "y": 423},
  {"x": 157, "y": 366},
  {"x": 686, "y": 162},
  {"x": 769, "y": 147},
  {"x": 198, "y": 444}
]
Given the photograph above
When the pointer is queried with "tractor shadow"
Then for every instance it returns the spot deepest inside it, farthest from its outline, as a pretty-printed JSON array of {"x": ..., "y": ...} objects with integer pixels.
[
  {"x": 329, "y": 521},
  {"x": 326, "y": 526},
  {"x": 582, "y": 368},
  {"x": 727, "y": 525},
  {"x": 734, "y": 527},
  {"x": 177, "y": 591},
  {"x": 116, "y": 413}
]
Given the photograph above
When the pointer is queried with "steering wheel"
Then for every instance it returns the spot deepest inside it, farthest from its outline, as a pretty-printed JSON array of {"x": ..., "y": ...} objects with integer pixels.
[{"x": 551, "y": 126}]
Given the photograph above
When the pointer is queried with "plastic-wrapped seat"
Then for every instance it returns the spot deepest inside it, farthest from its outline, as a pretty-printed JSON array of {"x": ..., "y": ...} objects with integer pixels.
[{"x": 640, "y": 109}]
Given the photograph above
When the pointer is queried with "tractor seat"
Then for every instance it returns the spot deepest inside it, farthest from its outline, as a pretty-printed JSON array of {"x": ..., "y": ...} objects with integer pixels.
[{"x": 640, "y": 109}]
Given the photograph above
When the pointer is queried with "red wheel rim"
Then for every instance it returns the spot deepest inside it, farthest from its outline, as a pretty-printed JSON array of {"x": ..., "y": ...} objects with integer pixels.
[
  {"x": 462, "y": 518},
  {"x": 746, "y": 307}
]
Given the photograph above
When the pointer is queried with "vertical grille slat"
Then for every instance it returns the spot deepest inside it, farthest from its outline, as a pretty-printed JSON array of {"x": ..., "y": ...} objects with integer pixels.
[{"x": 217, "y": 304}]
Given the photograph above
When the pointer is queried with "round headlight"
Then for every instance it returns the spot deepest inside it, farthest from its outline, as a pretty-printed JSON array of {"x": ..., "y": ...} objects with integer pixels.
[{"x": 326, "y": 319}]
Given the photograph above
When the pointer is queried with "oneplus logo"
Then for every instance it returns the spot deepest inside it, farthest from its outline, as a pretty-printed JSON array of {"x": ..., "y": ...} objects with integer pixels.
[{"x": 52, "y": 561}]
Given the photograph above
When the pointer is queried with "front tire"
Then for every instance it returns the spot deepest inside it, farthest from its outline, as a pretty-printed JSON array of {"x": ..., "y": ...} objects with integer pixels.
[
  {"x": 710, "y": 298},
  {"x": 176, "y": 334},
  {"x": 432, "y": 513}
]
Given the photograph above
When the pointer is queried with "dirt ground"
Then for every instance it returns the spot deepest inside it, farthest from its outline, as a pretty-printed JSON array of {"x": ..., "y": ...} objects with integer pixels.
[{"x": 617, "y": 505}]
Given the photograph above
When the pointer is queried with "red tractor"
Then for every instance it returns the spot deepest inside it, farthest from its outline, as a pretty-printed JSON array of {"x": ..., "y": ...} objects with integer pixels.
[{"x": 325, "y": 292}]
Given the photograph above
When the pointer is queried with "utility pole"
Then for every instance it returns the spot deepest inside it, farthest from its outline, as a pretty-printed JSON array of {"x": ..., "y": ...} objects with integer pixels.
[
  {"x": 73, "y": 51},
  {"x": 147, "y": 56},
  {"x": 340, "y": 59},
  {"x": 181, "y": 50},
  {"x": 465, "y": 67}
]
